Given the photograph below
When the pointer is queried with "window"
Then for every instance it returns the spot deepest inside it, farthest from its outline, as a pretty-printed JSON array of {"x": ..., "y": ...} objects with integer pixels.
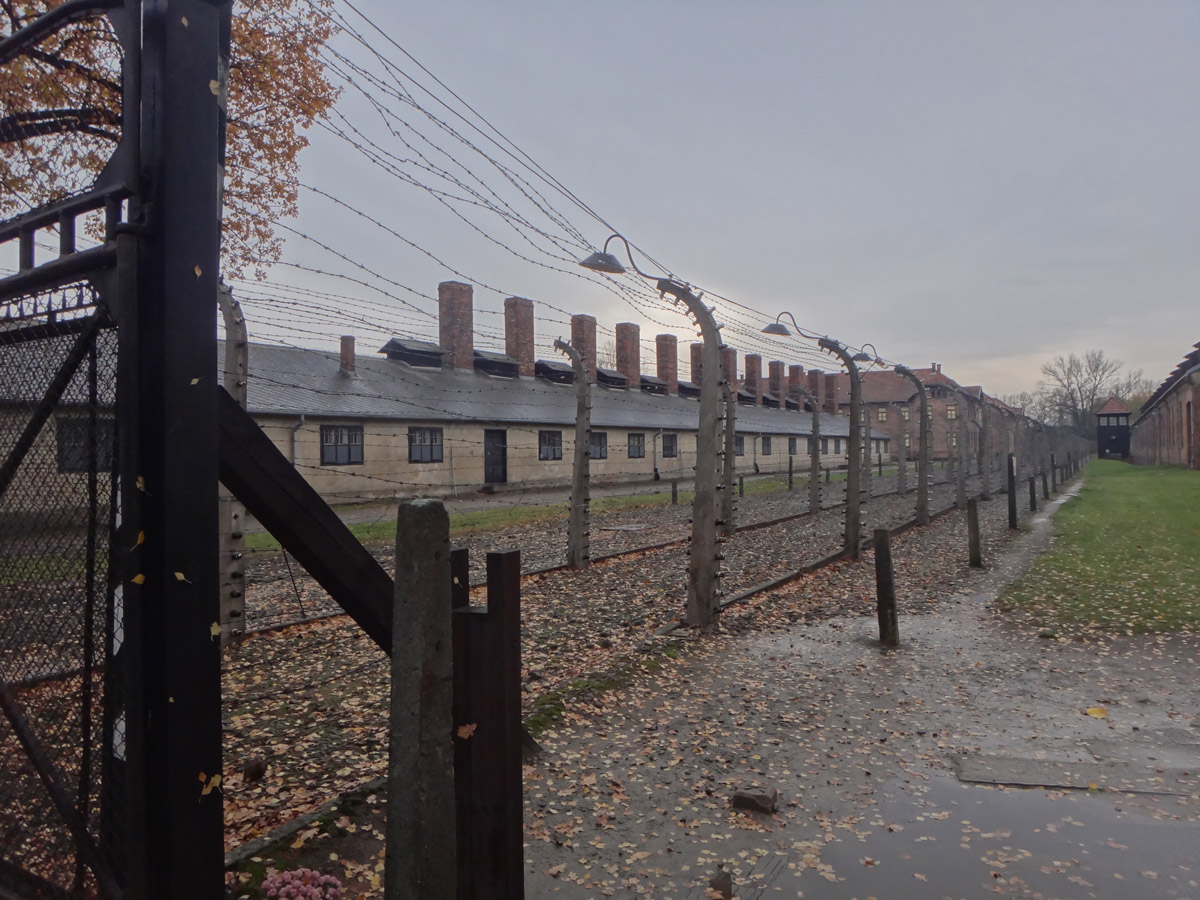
[
  {"x": 637, "y": 445},
  {"x": 598, "y": 445},
  {"x": 549, "y": 445},
  {"x": 766, "y": 444},
  {"x": 670, "y": 445},
  {"x": 75, "y": 443},
  {"x": 424, "y": 445},
  {"x": 824, "y": 445},
  {"x": 739, "y": 445},
  {"x": 837, "y": 446},
  {"x": 810, "y": 443},
  {"x": 951, "y": 411},
  {"x": 905, "y": 413},
  {"x": 953, "y": 439},
  {"x": 907, "y": 440},
  {"x": 881, "y": 415},
  {"x": 792, "y": 446},
  {"x": 342, "y": 445}
]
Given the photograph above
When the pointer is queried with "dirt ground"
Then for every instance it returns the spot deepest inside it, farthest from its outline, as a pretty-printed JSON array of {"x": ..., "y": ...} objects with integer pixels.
[{"x": 977, "y": 759}]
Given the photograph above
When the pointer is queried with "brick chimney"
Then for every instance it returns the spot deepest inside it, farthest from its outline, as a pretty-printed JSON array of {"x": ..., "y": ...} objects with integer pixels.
[
  {"x": 456, "y": 326},
  {"x": 795, "y": 380},
  {"x": 347, "y": 354},
  {"x": 629, "y": 353},
  {"x": 816, "y": 386},
  {"x": 831, "y": 382},
  {"x": 754, "y": 381},
  {"x": 583, "y": 339},
  {"x": 667, "y": 350},
  {"x": 697, "y": 363},
  {"x": 518, "y": 332},
  {"x": 729, "y": 365},
  {"x": 777, "y": 382}
]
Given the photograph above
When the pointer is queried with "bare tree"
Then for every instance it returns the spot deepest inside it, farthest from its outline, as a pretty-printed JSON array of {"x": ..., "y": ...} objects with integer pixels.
[
  {"x": 1134, "y": 389},
  {"x": 1032, "y": 404},
  {"x": 1075, "y": 385},
  {"x": 606, "y": 355}
]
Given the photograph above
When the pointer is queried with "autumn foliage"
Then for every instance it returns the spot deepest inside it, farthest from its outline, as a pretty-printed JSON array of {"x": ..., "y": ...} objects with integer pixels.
[{"x": 60, "y": 115}]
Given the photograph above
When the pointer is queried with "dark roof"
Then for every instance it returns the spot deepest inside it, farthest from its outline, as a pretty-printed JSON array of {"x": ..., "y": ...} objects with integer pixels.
[
  {"x": 295, "y": 381},
  {"x": 1191, "y": 362}
]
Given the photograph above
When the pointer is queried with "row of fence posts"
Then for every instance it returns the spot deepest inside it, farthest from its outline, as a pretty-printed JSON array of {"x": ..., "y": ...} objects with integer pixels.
[
  {"x": 885, "y": 583},
  {"x": 454, "y": 823}
]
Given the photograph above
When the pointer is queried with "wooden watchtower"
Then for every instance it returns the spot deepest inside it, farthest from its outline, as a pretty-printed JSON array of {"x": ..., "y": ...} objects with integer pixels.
[{"x": 1112, "y": 430}]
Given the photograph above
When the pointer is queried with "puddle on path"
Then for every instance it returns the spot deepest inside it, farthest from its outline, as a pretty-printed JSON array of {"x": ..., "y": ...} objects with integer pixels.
[{"x": 1035, "y": 844}]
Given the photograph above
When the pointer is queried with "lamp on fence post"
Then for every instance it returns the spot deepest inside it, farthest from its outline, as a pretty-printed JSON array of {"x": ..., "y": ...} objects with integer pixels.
[
  {"x": 922, "y": 443},
  {"x": 852, "y": 539},
  {"x": 702, "y": 564}
]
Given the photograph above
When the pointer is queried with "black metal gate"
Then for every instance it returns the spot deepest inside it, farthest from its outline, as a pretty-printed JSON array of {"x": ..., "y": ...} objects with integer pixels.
[
  {"x": 110, "y": 761},
  {"x": 59, "y": 612}
]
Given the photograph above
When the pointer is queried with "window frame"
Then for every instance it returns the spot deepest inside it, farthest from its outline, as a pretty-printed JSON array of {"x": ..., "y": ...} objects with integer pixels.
[
  {"x": 598, "y": 445},
  {"x": 549, "y": 445},
  {"x": 881, "y": 414},
  {"x": 331, "y": 450},
  {"x": 766, "y": 445},
  {"x": 635, "y": 439},
  {"x": 671, "y": 451},
  {"x": 71, "y": 445},
  {"x": 436, "y": 452},
  {"x": 793, "y": 443},
  {"x": 739, "y": 445}
]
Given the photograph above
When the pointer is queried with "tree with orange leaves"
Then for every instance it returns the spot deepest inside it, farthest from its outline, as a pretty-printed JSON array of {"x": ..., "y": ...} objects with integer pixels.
[{"x": 60, "y": 115}]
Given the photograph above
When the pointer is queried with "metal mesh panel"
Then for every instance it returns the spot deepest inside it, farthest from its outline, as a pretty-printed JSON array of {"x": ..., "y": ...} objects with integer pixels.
[{"x": 56, "y": 599}]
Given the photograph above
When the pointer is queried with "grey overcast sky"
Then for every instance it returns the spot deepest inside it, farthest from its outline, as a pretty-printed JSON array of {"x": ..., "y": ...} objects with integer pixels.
[{"x": 985, "y": 184}]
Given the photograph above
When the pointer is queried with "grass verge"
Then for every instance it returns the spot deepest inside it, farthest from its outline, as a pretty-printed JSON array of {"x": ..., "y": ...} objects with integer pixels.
[{"x": 1126, "y": 557}]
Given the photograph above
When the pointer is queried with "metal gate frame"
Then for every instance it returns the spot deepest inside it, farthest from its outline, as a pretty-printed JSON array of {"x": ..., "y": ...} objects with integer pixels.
[{"x": 156, "y": 275}]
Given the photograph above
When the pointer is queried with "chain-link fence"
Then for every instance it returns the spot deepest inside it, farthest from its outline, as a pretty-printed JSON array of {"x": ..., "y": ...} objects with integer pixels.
[{"x": 59, "y": 609}]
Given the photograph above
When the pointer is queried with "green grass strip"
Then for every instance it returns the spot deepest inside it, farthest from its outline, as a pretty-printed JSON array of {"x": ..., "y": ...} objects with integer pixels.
[{"x": 1126, "y": 556}]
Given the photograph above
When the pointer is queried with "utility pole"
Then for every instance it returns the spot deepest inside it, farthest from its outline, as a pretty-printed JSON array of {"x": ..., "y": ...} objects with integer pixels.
[
  {"x": 702, "y": 563},
  {"x": 578, "y": 522},
  {"x": 729, "y": 458},
  {"x": 814, "y": 453},
  {"x": 232, "y": 541},
  {"x": 852, "y": 539},
  {"x": 923, "y": 426}
]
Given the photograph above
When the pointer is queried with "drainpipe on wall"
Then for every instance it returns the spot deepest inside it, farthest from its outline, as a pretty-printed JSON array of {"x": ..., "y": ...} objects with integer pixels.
[
  {"x": 657, "y": 435},
  {"x": 296, "y": 428}
]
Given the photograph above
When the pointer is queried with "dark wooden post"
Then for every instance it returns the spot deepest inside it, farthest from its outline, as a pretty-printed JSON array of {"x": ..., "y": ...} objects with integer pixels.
[
  {"x": 1033, "y": 493},
  {"x": 741, "y": 485},
  {"x": 1053, "y": 474},
  {"x": 790, "y": 485},
  {"x": 1012, "y": 490},
  {"x": 420, "y": 854},
  {"x": 1045, "y": 487},
  {"x": 974, "y": 551},
  {"x": 487, "y": 737},
  {"x": 674, "y": 491},
  {"x": 885, "y": 589}
]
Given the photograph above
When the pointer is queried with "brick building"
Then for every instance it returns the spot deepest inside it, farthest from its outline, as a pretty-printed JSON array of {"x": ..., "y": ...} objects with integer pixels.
[{"x": 1167, "y": 432}]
